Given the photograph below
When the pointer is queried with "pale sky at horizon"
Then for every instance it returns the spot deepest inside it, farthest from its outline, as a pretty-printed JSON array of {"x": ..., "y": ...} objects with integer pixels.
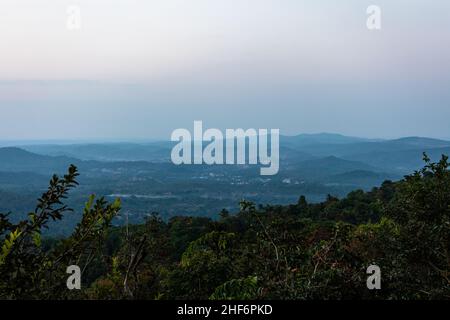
[{"x": 140, "y": 69}]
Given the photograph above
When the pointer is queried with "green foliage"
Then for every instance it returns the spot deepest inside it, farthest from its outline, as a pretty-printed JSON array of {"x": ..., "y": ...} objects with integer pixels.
[
  {"x": 29, "y": 271},
  {"x": 421, "y": 208},
  {"x": 301, "y": 251},
  {"x": 205, "y": 264},
  {"x": 8, "y": 245},
  {"x": 237, "y": 289}
]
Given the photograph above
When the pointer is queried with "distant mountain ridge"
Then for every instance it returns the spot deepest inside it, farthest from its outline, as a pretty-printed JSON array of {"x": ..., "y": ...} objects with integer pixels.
[
  {"x": 323, "y": 138},
  {"x": 403, "y": 154},
  {"x": 152, "y": 152},
  {"x": 310, "y": 165},
  {"x": 19, "y": 160}
]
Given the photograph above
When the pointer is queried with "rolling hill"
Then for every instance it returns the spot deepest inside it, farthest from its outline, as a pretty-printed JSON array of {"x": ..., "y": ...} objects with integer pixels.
[{"x": 310, "y": 165}]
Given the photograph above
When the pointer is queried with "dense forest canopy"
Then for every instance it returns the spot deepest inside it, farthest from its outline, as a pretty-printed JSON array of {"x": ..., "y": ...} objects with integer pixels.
[{"x": 299, "y": 251}]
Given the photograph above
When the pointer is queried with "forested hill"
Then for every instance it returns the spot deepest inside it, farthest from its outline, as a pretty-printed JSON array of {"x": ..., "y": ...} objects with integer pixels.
[
  {"x": 299, "y": 251},
  {"x": 142, "y": 174}
]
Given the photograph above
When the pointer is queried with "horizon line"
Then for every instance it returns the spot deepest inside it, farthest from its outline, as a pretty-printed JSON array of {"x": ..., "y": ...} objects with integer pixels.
[{"x": 92, "y": 140}]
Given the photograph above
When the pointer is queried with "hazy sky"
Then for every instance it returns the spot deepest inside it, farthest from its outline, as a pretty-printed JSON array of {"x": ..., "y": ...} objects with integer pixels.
[{"x": 140, "y": 69}]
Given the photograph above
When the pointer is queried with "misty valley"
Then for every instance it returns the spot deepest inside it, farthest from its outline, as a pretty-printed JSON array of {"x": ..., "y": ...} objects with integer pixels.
[{"x": 145, "y": 179}]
